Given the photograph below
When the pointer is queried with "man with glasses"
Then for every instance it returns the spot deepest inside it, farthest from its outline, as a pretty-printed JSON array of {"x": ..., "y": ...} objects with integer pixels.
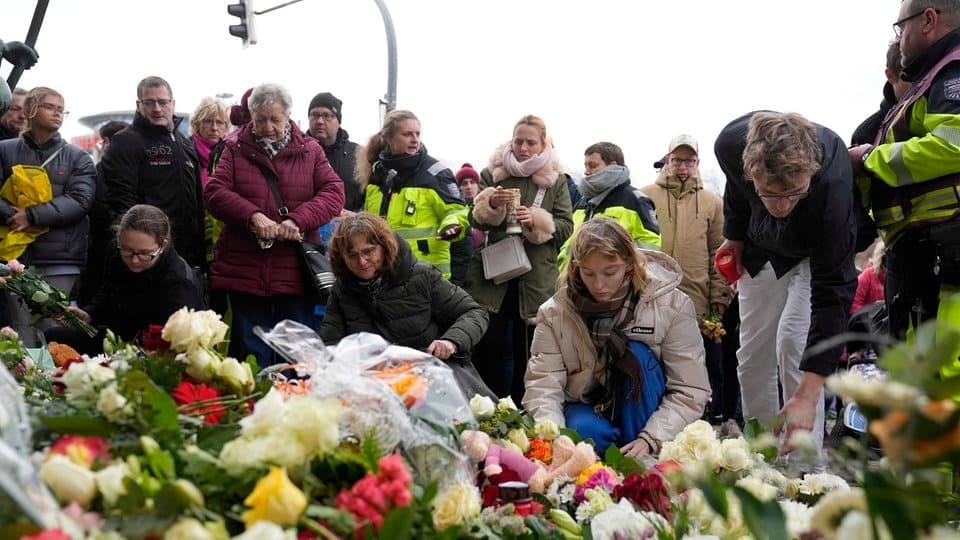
[
  {"x": 789, "y": 223},
  {"x": 691, "y": 230},
  {"x": 912, "y": 173},
  {"x": 325, "y": 113},
  {"x": 14, "y": 121},
  {"x": 152, "y": 162}
]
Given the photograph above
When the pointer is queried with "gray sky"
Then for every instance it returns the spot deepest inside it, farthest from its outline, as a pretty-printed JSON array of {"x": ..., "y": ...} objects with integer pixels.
[{"x": 631, "y": 72}]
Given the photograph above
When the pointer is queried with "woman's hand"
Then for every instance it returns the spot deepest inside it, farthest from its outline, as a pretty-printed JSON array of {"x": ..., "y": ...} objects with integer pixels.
[
  {"x": 524, "y": 216},
  {"x": 289, "y": 230},
  {"x": 81, "y": 314},
  {"x": 636, "y": 448},
  {"x": 19, "y": 222},
  {"x": 15, "y": 268},
  {"x": 442, "y": 349},
  {"x": 501, "y": 197},
  {"x": 264, "y": 227}
]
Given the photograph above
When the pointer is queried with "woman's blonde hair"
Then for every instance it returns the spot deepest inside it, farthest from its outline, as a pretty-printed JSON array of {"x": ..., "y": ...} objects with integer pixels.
[
  {"x": 536, "y": 122},
  {"x": 378, "y": 142},
  {"x": 604, "y": 236},
  {"x": 209, "y": 108},
  {"x": 34, "y": 97}
]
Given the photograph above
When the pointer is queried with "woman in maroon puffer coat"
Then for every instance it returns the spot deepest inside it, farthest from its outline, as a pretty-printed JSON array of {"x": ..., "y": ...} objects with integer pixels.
[{"x": 256, "y": 260}]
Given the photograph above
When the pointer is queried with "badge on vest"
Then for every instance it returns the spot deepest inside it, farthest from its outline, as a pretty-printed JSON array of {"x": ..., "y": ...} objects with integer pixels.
[
  {"x": 641, "y": 330},
  {"x": 951, "y": 89}
]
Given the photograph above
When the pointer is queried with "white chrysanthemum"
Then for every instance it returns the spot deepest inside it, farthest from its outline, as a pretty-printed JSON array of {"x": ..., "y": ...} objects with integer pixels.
[
  {"x": 757, "y": 488},
  {"x": 560, "y": 491},
  {"x": 735, "y": 454},
  {"x": 623, "y": 521},
  {"x": 797, "y": 517},
  {"x": 830, "y": 509},
  {"x": 818, "y": 484},
  {"x": 597, "y": 500}
]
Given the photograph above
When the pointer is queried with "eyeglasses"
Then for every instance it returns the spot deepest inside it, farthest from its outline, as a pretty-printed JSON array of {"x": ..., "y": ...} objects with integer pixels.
[
  {"x": 365, "y": 254},
  {"x": 793, "y": 197},
  {"x": 326, "y": 117},
  {"x": 145, "y": 257},
  {"x": 213, "y": 122},
  {"x": 151, "y": 102},
  {"x": 50, "y": 107},
  {"x": 898, "y": 26},
  {"x": 688, "y": 162}
]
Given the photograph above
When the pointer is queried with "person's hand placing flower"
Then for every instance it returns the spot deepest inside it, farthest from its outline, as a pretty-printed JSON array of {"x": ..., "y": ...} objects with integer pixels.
[
  {"x": 442, "y": 349},
  {"x": 15, "y": 268},
  {"x": 81, "y": 314}
]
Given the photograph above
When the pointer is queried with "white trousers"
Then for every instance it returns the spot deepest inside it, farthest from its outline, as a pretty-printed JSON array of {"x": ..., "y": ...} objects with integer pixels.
[{"x": 774, "y": 323}]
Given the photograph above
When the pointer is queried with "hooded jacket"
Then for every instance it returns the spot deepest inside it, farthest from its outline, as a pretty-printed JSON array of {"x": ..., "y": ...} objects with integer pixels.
[
  {"x": 691, "y": 230},
  {"x": 821, "y": 227},
  {"x": 415, "y": 307},
  {"x": 553, "y": 225},
  {"x": 73, "y": 179},
  {"x": 342, "y": 155},
  {"x": 562, "y": 362},
  {"x": 148, "y": 164},
  {"x": 238, "y": 189}
]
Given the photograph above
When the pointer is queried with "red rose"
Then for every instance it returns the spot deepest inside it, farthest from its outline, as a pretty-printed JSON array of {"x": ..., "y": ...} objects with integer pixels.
[{"x": 648, "y": 491}]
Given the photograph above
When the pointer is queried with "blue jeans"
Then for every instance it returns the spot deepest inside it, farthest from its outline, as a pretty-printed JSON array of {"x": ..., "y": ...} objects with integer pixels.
[
  {"x": 630, "y": 416},
  {"x": 250, "y": 311}
]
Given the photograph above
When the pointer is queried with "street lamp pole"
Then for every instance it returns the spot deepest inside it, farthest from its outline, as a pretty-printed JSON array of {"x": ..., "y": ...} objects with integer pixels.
[{"x": 389, "y": 101}]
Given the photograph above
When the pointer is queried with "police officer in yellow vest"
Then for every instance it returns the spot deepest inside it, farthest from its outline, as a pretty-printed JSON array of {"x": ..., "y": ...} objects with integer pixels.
[
  {"x": 911, "y": 175},
  {"x": 417, "y": 195}
]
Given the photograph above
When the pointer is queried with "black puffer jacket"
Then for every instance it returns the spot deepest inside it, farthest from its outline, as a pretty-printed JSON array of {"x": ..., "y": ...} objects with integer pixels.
[
  {"x": 127, "y": 302},
  {"x": 342, "y": 155},
  {"x": 148, "y": 164},
  {"x": 72, "y": 177},
  {"x": 415, "y": 306}
]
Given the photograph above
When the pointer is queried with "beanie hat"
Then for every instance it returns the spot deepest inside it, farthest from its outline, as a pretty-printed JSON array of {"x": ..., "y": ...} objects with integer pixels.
[
  {"x": 240, "y": 114},
  {"x": 467, "y": 171},
  {"x": 328, "y": 100}
]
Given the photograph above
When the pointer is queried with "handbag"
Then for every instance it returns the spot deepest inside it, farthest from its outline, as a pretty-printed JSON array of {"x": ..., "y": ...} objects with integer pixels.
[
  {"x": 315, "y": 260},
  {"x": 507, "y": 259}
]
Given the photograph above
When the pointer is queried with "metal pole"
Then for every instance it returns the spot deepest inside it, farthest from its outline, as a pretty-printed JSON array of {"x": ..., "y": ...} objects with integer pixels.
[
  {"x": 32, "y": 34},
  {"x": 390, "y": 98}
]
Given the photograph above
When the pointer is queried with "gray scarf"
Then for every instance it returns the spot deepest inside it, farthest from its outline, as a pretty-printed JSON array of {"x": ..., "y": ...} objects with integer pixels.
[{"x": 595, "y": 187}]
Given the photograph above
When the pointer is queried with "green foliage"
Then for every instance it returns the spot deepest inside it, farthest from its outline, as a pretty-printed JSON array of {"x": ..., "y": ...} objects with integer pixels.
[
  {"x": 80, "y": 425},
  {"x": 715, "y": 493},
  {"x": 157, "y": 412},
  {"x": 765, "y": 519},
  {"x": 620, "y": 463}
]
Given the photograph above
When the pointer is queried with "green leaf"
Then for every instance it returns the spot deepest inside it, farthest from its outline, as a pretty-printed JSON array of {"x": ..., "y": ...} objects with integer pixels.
[
  {"x": 170, "y": 501},
  {"x": 620, "y": 463},
  {"x": 753, "y": 429},
  {"x": 80, "y": 425},
  {"x": 887, "y": 501},
  {"x": 764, "y": 519},
  {"x": 715, "y": 494},
  {"x": 398, "y": 523},
  {"x": 212, "y": 438},
  {"x": 574, "y": 436},
  {"x": 160, "y": 411}
]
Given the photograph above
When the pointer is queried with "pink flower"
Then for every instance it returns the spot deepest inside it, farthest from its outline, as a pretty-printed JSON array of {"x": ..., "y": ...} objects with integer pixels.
[
  {"x": 601, "y": 478},
  {"x": 49, "y": 534},
  {"x": 84, "y": 451}
]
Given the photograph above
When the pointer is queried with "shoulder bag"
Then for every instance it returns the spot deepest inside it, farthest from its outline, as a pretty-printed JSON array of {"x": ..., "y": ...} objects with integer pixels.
[{"x": 507, "y": 259}]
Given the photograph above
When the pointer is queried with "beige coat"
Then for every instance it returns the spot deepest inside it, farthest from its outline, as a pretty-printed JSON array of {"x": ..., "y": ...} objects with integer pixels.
[
  {"x": 691, "y": 230},
  {"x": 561, "y": 365}
]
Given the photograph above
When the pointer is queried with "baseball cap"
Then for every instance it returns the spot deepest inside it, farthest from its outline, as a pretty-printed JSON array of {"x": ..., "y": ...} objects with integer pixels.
[{"x": 684, "y": 140}]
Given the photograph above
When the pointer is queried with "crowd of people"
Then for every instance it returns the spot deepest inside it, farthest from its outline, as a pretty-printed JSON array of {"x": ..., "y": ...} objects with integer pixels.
[{"x": 598, "y": 325}]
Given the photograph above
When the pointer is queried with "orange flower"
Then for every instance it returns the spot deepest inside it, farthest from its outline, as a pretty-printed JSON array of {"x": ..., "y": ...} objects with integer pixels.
[
  {"x": 540, "y": 450},
  {"x": 405, "y": 382},
  {"x": 61, "y": 353}
]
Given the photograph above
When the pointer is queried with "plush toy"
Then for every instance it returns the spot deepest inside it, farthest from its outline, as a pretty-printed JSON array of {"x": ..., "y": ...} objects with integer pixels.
[
  {"x": 568, "y": 460},
  {"x": 478, "y": 447}
]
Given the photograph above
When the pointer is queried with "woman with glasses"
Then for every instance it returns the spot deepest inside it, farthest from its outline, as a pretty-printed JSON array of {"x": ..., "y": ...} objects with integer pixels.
[
  {"x": 381, "y": 288},
  {"x": 52, "y": 233},
  {"x": 272, "y": 187},
  {"x": 146, "y": 281},
  {"x": 209, "y": 123}
]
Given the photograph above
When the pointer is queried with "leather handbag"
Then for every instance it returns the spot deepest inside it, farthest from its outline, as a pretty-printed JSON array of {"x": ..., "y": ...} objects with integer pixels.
[{"x": 505, "y": 260}]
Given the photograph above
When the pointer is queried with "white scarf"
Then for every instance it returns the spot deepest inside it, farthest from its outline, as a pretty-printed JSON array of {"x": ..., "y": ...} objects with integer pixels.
[{"x": 524, "y": 169}]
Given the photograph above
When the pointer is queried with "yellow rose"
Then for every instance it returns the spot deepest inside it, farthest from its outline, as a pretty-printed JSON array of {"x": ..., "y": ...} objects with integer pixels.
[
  {"x": 68, "y": 481},
  {"x": 455, "y": 506},
  {"x": 519, "y": 438},
  {"x": 275, "y": 498}
]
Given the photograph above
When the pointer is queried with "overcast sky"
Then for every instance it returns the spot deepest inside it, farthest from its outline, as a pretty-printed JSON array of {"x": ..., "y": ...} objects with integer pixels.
[{"x": 631, "y": 72}]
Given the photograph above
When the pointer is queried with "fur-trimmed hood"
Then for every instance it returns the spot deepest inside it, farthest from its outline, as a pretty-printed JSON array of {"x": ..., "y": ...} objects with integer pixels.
[{"x": 546, "y": 176}]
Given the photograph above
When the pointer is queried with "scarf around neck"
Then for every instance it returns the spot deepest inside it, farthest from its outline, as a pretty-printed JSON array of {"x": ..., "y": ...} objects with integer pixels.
[
  {"x": 607, "y": 323},
  {"x": 272, "y": 147},
  {"x": 598, "y": 185},
  {"x": 524, "y": 169}
]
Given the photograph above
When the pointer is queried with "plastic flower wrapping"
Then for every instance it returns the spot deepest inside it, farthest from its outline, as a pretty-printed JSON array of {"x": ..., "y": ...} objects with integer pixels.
[{"x": 369, "y": 440}]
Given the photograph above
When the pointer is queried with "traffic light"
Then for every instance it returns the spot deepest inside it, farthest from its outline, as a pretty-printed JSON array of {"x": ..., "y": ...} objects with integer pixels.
[{"x": 245, "y": 30}]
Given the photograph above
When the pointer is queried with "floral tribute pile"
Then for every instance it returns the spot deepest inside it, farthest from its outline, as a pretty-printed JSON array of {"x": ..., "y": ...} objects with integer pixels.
[{"x": 376, "y": 441}]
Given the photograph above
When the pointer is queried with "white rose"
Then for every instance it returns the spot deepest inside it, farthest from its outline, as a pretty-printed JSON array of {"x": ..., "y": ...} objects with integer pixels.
[
  {"x": 187, "y": 529},
  {"x": 735, "y": 455},
  {"x": 510, "y": 445},
  {"x": 856, "y": 525},
  {"x": 187, "y": 330},
  {"x": 547, "y": 429},
  {"x": 315, "y": 422},
  {"x": 213, "y": 329},
  {"x": 68, "y": 481},
  {"x": 482, "y": 406},
  {"x": 110, "y": 482},
  {"x": 113, "y": 405},
  {"x": 266, "y": 530},
  {"x": 456, "y": 506},
  {"x": 671, "y": 451},
  {"x": 237, "y": 375},
  {"x": 519, "y": 438},
  {"x": 707, "y": 452},
  {"x": 177, "y": 330},
  {"x": 202, "y": 365},
  {"x": 757, "y": 488},
  {"x": 83, "y": 381},
  {"x": 699, "y": 431},
  {"x": 268, "y": 413},
  {"x": 506, "y": 404},
  {"x": 797, "y": 517}
]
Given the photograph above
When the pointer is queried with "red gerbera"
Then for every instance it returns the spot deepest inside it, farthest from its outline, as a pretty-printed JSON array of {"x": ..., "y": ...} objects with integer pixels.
[{"x": 187, "y": 393}]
